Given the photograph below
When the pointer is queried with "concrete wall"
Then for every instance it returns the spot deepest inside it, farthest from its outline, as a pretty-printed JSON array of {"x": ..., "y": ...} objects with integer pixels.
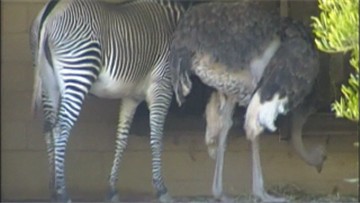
[{"x": 187, "y": 168}]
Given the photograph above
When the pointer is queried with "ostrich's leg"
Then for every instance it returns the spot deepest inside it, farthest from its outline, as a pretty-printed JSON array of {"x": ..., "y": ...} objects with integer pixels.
[
  {"x": 217, "y": 187},
  {"x": 219, "y": 111},
  {"x": 258, "y": 181},
  {"x": 258, "y": 116},
  {"x": 213, "y": 125},
  {"x": 215, "y": 114}
]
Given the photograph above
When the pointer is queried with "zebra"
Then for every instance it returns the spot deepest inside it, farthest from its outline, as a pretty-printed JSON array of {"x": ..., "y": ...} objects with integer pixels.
[{"x": 110, "y": 50}]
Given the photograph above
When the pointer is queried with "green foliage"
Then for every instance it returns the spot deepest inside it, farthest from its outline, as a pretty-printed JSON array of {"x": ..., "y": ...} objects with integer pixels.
[{"x": 336, "y": 30}]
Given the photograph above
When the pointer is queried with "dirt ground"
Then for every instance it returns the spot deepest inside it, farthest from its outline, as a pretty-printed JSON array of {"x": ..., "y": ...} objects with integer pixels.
[{"x": 291, "y": 192}]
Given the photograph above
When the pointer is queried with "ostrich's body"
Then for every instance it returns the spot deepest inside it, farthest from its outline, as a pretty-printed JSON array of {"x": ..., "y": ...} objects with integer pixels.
[
  {"x": 213, "y": 34},
  {"x": 251, "y": 57}
]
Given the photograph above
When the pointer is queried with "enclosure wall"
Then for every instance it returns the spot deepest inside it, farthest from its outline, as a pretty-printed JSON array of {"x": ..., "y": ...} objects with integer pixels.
[{"x": 187, "y": 168}]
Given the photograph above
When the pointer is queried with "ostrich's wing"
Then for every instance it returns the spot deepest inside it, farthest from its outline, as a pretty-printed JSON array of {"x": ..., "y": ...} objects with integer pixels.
[{"x": 291, "y": 72}]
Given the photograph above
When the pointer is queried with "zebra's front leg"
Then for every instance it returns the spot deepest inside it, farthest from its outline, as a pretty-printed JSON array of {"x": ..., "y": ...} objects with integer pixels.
[
  {"x": 126, "y": 114},
  {"x": 158, "y": 101}
]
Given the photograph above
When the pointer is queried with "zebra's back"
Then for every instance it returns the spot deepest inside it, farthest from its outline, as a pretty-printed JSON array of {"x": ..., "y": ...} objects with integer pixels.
[{"x": 131, "y": 39}]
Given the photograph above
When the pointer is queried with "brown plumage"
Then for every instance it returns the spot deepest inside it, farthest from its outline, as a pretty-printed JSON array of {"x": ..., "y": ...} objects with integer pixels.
[
  {"x": 229, "y": 34},
  {"x": 253, "y": 58}
]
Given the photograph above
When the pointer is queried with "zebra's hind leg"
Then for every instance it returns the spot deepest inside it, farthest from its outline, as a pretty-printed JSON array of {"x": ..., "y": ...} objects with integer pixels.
[
  {"x": 49, "y": 106},
  {"x": 158, "y": 99},
  {"x": 126, "y": 114},
  {"x": 50, "y": 152},
  {"x": 69, "y": 110},
  {"x": 67, "y": 116}
]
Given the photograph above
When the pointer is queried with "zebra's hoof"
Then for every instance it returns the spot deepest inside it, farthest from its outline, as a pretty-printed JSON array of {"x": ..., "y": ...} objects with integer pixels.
[
  {"x": 223, "y": 199},
  {"x": 166, "y": 198},
  {"x": 113, "y": 196},
  {"x": 63, "y": 198}
]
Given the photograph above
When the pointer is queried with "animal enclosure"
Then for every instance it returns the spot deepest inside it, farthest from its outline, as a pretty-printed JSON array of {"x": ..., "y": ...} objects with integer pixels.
[{"x": 187, "y": 169}]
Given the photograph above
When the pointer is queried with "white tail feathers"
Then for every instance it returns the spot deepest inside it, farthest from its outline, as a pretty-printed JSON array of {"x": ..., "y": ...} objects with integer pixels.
[{"x": 263, "y": 115}]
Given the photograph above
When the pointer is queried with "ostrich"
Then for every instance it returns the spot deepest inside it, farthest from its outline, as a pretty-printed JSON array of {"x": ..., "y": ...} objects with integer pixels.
[{"x": 253, "y": 58}]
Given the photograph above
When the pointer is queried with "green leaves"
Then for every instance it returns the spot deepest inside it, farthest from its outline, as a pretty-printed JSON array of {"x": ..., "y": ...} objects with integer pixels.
[
  {"x": 337, "y": 26},
  {"x": 336, "y": 30},
  {"x": 348, "y": 106}
]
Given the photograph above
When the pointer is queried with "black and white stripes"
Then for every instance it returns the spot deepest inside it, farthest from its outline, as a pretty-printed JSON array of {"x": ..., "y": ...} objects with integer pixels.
[{"x": 110, "y": 50}]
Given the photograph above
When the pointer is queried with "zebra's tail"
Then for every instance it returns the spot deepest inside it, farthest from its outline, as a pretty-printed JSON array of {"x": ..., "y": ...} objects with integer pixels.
[
  {"x": 44, "y": 75},
  {"x": 34, "y": 45},
  {"x": 36, "y": 97},
  {"x": 180, "y": 63}
]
